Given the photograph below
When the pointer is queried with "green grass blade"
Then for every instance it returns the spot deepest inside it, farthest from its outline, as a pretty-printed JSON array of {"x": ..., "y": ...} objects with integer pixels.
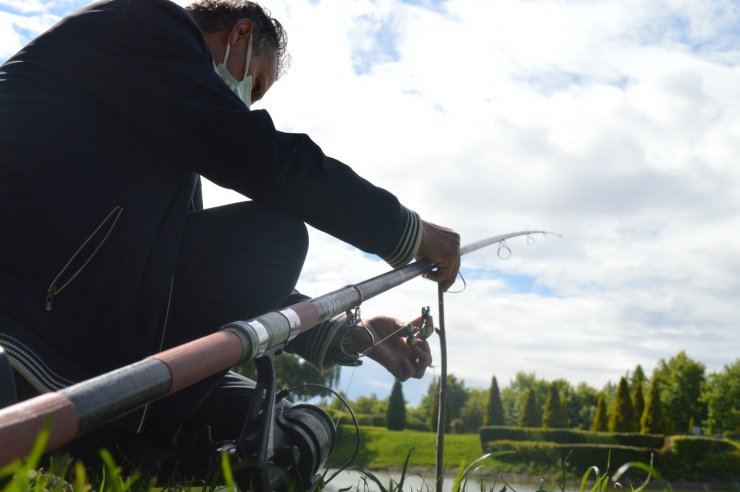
[
  {"x": 584, "y": 479},
  {"x": 228, "y": 474},
  {"x": 403, "y": 470},
  {"x": 367, "y": 474},
  {"x": 474, "y": 466},
  {"x": 652, "y": 472}
]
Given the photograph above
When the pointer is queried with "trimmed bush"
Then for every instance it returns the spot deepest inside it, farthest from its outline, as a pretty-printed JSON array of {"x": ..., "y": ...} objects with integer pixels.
[
  {"x": 580, "y": 457},
  {"x": 652, "y": 441},
  {"x": 690, "y": 448},
  {"x": 569, "y": 436},
  {"x": 697, "y": 458}
]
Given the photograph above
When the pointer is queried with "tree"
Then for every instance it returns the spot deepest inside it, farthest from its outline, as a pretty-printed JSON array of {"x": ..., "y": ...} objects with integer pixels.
[
  {"x": 580, "y": 406},
  {"x": 512, "y": 395},
  {"x": 396, "y": 408},
  {"x": 600, "y": 422},
  {"x": 553, "y": 415},
  {"x": 638, "y": 402},
  {"x": 721, "y": 394},
  {"x": 471, "y": 416},
  {"x": 494, "y": 407},
  {"x": 637, "y": 377},
  {"x": 528, "y": 413},
  {"x": 622, "y": 418},
  {"x": 681, "y": 380},
  {"x": 457, "y": 395},
  {"x": 652, "y": 418}
]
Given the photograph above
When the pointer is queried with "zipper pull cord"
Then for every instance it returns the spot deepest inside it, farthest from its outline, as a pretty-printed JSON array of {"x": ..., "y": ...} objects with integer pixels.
[{"x": 53, "y": 290}]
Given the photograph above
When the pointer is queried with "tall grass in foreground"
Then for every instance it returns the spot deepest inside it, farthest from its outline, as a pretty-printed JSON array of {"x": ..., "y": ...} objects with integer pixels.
[{"x": 25, "y": 476}]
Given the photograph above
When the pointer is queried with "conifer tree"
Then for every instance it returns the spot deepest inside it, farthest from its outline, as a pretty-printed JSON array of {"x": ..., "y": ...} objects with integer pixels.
[
  {"x": 652, "y": 417},
  {"x": 553, "y": 415},
  {"x": 396, "y": 408},
  {"x": 528, "y": 414},
  {"x": 637, "y": 376},
  {"x": 622, "y": 418},
  {"x": 638, "y": 402},
  {"x": 494, "y": 407},
  {"x": 433, "y": 393},
  {"x": 600, "y": 423}
]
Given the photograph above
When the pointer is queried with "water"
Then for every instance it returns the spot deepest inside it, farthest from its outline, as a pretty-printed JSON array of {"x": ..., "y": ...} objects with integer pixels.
[{"x": 413, "y": 483}]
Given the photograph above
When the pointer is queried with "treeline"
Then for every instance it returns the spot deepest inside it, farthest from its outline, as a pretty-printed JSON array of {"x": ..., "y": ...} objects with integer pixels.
[{"x": 678, "y": 398}]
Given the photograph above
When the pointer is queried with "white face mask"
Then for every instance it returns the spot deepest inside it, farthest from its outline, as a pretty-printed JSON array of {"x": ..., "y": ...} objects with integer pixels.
[{"x": 242, "y": 88}]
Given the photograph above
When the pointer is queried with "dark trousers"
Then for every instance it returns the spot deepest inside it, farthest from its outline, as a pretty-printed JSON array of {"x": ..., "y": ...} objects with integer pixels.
[{"x": 237, "y": 262}]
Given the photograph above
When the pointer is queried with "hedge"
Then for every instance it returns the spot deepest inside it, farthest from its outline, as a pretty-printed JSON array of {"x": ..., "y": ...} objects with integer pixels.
[
  {"x": 569, "y": 436},
  {"x": 580, "y": 457},
  {"x": 695, "y": 458},
  {"x": 686, "y": 458}
]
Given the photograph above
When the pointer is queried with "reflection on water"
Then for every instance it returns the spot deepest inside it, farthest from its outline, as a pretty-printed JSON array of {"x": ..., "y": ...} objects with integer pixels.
[{"x": 414, "y": 483}]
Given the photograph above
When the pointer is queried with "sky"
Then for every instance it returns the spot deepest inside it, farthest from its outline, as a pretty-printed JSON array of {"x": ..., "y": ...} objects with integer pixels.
[{"x": 615, "y": 123}]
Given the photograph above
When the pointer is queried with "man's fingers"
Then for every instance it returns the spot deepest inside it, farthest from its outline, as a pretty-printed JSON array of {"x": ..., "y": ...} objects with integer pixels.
[{"x": 423, "y": 361}]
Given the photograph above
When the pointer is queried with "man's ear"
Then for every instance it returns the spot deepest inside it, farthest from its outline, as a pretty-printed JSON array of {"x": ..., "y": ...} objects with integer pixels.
[{"x": 243, "y": 29}]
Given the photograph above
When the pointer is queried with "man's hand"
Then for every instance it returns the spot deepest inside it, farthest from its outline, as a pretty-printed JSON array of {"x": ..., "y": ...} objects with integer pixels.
[
  {"x": 441, "y": 246},
  {"x": 401, "y": 359}
]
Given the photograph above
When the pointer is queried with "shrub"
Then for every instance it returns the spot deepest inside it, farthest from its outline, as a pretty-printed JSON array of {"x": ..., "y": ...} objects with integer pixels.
[
  {"x": 580, "y": 457},
  {"x": 689, "y": 448},
  {"x": 570, "y": 436},
  {"x": 696, "y": 458}
]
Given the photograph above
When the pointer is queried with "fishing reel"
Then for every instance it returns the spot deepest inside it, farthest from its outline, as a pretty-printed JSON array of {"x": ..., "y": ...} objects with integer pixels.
[
  {"x": 414, "y": 332},
  {"x": 282, "y": 446}
]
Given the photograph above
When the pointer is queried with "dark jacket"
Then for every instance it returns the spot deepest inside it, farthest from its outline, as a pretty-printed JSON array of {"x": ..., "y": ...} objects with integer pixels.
[{"x": 106, "y": 121}]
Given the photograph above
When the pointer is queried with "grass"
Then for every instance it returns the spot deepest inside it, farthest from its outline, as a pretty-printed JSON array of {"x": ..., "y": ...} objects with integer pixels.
[
  {"x": 464, "y": 476},
  {"x": 26, "y": 476},
  {"x": 384, "y": 449}
]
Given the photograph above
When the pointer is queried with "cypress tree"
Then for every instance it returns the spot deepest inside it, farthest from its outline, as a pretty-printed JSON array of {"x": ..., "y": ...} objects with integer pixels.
[
  {"x": 396, "y": 408},
  {"x": 638, "y": 403},
  {"x": 494, "y": 407},
  {"x": 652, "y": 417},
  {"x": 600, "y": 423},
  {"x": 553, "y": 416},
  {"x": 622, "y": 418},
  {"x": 433, "y": 393},
  {"x": 528, "y": 414}
]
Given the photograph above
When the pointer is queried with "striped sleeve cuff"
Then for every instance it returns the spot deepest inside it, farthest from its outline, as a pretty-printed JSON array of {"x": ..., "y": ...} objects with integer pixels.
[
  {"x": 408, "y": 245},
  {"x": 320, "y": 346}
]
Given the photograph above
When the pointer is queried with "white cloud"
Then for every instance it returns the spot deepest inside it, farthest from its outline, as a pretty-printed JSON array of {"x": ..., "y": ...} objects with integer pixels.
[{"x": 616, "y": 123}]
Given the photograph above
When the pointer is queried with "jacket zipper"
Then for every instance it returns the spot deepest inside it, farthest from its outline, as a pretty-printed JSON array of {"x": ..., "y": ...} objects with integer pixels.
[
  {"x": 55, "y": 289},
  {"x": 140, "y": 428}
]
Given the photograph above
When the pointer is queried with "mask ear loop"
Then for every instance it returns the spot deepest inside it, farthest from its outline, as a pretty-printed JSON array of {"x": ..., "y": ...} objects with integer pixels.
[
  {"x": 226, "y": 55},
  {"x": 249, "y": 55}
]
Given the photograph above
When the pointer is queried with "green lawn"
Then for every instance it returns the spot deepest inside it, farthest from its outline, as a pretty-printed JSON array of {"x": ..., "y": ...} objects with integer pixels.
[{"x": 381, "y": 448}]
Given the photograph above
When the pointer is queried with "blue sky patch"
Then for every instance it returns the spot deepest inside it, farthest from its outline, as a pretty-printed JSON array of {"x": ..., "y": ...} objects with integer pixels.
[
  {"x": 552, "y": 81},
  {"x": 434, "y": 5},
  {"x": 382, "y": 44},
  {"x": 518, "y": 283}
]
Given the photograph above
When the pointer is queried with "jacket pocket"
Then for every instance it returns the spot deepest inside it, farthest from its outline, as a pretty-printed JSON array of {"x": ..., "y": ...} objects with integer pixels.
[{"x": 64, "y": 277}]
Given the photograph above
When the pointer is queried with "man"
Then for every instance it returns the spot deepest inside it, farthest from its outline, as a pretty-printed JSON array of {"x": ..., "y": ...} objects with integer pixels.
[{"x": 107, "y": 122}]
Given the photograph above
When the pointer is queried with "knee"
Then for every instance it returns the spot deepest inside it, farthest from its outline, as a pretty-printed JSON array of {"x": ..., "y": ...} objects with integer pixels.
[{"x": 300, "y": 233}]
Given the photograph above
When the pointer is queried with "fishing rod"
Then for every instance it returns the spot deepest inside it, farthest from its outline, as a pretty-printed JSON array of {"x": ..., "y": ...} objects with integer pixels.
[{"x": 82, "y": 407}]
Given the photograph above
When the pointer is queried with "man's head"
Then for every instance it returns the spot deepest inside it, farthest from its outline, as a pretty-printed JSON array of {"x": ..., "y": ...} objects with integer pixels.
[{"x": 234, "y": 23}]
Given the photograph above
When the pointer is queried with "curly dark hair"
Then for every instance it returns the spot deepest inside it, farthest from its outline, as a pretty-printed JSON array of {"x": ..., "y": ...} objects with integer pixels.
[{"x": 217, "y": 15}]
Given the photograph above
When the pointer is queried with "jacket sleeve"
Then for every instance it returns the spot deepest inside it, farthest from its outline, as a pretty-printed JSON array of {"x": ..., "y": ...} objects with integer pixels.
[
  {"x": 321, "y": 345},
  {"x": 152, "y": 69}
]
